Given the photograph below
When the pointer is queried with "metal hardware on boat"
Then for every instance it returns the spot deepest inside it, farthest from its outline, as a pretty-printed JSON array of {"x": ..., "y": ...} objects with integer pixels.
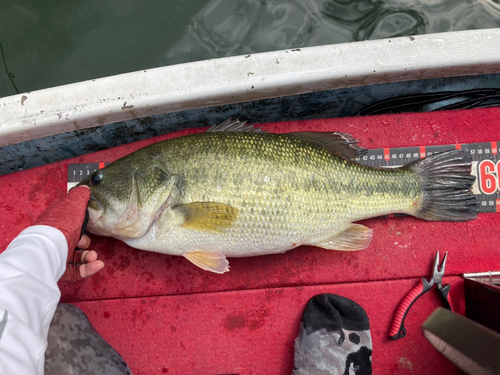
[{"x": 481, "y": 274}]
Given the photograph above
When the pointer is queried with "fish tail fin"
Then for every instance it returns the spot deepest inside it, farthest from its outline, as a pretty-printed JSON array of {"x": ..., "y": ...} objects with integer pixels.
[{"x": 446, "y": 187}]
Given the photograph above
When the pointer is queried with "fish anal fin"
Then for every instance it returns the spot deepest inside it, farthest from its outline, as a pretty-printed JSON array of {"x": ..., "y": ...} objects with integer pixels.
[
  {"x": 340, "y": 143},
  {"x": 213, "y": 262},
  {"x": 208, "y": 216},
  {"x": 355, "y": 237},
  {"x": 238, "y": 126}
]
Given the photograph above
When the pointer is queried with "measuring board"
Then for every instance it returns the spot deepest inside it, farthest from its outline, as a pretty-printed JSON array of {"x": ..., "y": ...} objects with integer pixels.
[{"x": 485, "y": 166}]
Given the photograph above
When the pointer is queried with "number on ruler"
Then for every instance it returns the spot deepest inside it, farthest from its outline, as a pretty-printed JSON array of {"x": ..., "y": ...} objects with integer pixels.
[{"x": 488, "y": 176}]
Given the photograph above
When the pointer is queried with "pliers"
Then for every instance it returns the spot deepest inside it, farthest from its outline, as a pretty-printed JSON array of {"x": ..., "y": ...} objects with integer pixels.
[{"x": 398, "y": 329}]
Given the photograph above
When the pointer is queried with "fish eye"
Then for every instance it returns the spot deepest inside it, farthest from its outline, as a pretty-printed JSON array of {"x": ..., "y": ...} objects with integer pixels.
[{"x": 95, "y": 178}]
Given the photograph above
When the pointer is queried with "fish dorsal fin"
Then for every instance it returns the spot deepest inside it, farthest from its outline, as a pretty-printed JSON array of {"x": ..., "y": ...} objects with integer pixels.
[
  {"x": 341, "y": 143},
  {"x": 354, "y": 237},
  {"x": 237, "y": 126},
  {"x": 213, "y": 262},
  {"x": 208, "y": 216}
]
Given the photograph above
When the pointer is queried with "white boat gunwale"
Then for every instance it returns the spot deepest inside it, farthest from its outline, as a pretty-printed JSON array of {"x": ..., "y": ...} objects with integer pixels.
[{"x": 216, "y": 82}]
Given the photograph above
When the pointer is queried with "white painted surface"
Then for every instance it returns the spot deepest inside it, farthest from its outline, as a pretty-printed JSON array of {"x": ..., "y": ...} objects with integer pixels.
[{"x": 245, "y": 78}]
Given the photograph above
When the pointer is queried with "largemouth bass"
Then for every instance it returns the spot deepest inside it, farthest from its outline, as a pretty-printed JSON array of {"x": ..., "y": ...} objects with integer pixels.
[{"x": 236, "y": 191}]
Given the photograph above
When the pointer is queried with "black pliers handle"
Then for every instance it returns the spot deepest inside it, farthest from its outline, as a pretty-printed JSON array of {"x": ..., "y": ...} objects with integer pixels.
[{"x": 398, "y": 329}]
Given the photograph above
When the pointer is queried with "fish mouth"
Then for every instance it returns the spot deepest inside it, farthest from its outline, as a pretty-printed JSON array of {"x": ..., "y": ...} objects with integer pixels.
[{"x": 95, "y": 210}]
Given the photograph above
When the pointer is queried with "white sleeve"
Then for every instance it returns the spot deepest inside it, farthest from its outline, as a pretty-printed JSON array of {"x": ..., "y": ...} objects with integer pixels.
[{"x": 29, "y": 270}]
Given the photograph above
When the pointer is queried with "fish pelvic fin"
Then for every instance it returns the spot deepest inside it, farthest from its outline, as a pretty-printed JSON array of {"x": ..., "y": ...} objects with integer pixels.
[
  {"x": 355, "y": 237},
  {"x": 446, "y": 187},
  {"x": 208, "y": 216},
  {"x": 342, "y": 144},
  {"x": 237, "y": 126},
  {"x": 213, "y": 262}
]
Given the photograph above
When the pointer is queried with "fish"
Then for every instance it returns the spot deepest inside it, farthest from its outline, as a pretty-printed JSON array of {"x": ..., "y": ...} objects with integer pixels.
[{"x": 237, "y": 191}]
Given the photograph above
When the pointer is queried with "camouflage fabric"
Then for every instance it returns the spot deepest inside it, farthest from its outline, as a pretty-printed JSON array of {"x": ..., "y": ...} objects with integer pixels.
[
  {"x": 75, "y": 347},
  {"x": 343, "y": 347}
]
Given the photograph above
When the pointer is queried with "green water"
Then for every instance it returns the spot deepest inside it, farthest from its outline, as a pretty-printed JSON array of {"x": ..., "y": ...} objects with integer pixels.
[{"x": 53, "y": 42}]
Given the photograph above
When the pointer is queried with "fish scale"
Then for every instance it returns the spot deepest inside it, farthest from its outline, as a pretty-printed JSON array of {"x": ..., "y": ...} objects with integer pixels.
[{"x": 238, "y": 193}]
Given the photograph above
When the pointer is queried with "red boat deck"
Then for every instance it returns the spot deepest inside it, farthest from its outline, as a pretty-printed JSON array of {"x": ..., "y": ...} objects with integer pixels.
[{"x": 165, "y": 315}]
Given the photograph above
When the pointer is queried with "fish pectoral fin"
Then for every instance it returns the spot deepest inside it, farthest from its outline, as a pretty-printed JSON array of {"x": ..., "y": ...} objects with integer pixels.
[
  {"x": 214, "y": 262},
  {"x": 355, "y": 237},
  {"x": 208, "y": 216},
  {"x": 340, "y": 143}
]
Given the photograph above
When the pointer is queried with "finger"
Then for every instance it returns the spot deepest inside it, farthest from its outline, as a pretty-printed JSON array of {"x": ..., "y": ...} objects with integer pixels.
[
  {"x": 91, "y": 268},
  {"x": 72, "y": 273},
  {"x": 88, "y": 256},
  {"x": 84, "y": 242}
]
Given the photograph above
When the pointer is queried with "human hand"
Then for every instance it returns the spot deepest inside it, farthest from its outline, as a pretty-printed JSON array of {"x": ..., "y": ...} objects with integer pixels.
[
  {"x": 88, "y": 264},
  {"x": 69, "y": 216}
]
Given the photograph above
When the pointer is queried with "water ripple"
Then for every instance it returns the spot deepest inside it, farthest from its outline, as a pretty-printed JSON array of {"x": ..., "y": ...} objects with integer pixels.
[{"x": 227, "y": 28}]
